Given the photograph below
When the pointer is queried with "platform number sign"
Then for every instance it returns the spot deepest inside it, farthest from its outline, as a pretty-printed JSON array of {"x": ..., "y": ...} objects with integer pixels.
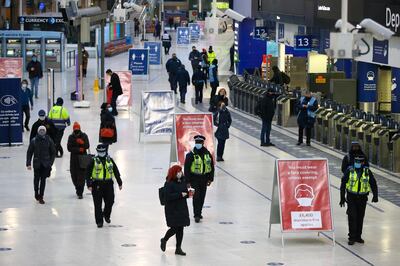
[
  {"x": 260, "y": 33},
  {"x": 303, "y": 42}
]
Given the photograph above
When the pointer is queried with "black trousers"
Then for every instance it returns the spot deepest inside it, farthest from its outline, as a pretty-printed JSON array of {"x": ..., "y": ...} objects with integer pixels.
[
  {"x": 178, "y": 232},
  {"x": 78, "y": 179},
  {"x": 308, "y": 134},
  {"x": 166, "y": 50},
  {"x": 27, "y": 112},
  {"x": 84, "y": 72},
  {"x": 114, "y": 104},
  {"x": 214, "y": 87},
  {"x": 355, "y": 213},
  {"x": 39, "y": 180},
  {"x": 182, "y": 91},
  {"x": 173, "y": 82},
  {"x": 198, "y": 93},
  {"x": 220, "y": 148},
  {"x": 57, "y": 140},
  {"x": 199, "y": 196},
  {"x": 102, "y": 191}
]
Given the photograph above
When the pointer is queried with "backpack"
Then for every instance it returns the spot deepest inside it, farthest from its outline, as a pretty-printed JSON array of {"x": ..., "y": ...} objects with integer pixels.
[
  {"x": 161, "y": 195},
  {"x": 285, "y": 78}
]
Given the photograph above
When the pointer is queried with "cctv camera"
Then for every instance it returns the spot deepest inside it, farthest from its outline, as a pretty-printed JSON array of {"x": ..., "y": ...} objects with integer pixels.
[
  {"x": 349, "y": 27},
  {"x": 127, "y": 5},
  {"x": 377, "y": 30},
  {"x": 234, "y": 15}
]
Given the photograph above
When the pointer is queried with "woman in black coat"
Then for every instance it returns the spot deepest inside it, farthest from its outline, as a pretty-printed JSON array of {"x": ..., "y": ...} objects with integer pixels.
[
  {"x": 220, "y": 97},
  {"x": 176, "y": 209},
  {"x": 107, "y": 120},
  {"x": 223, "y": 121},
  {"x": 78, "y": 143},
  {"x": 306, "y": 117}
]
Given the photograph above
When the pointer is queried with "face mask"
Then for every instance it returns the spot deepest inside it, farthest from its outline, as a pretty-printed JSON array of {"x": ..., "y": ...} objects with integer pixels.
[
  {"x": 357, "y": 165},
  {"x": 77, "y": 132},
  {"x": 179, "y": 175},
  {"x": 101, "y": 154},
  {"x": 198, "y": 146},
  {"x": 42, "y": 118},
  {"x": 109, "y": 109},
  {"x": 34, "y": 59}
]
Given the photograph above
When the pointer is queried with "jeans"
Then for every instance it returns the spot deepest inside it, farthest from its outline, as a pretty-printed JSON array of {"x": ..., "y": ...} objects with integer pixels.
[
  {"x": 220, "y": 148},
  {"x": 178, "y": 231},
  {"x": 35, "y": 85},
  {"x": 265, "y": 131}
]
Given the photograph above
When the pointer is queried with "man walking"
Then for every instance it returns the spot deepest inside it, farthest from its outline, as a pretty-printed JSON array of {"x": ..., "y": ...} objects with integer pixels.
[
  {"x": 183, "y": 81},
  {"x": 60, "y": 117},
  {"x": 43, "y": 151},
  {"x": 35, "y": 71},
  {"x": 173, "y": 65},
  {"x": 115, "y": 86},
  {"x": 266, "y": 110},
  {"x": 195, "y": 58}
]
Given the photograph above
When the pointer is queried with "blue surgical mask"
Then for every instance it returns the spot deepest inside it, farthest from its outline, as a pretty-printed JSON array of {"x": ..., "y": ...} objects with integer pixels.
[
  {"x": 109, "y": 109},
  {"x": 34, "y": 59},
  {"x": 357, "y": 165},
  {"x": 198, "y": 146}
]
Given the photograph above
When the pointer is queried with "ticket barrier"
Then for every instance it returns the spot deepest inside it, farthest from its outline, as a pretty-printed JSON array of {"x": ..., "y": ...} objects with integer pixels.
[
  {"x": 283, "y": 110},
  {"x": 233, "y": 82},
  {"x": 341, "y": 131},
  {"x": 337, "y": 130},
  {"x": 395, "y": 145},
  {"x": 318, "y": 123},
  {"x": 251, "y": 99},
  {"x": 327, "y": 125},
  {"x": 355, "y": 128},
  {"x": 241, "y": 95},
  {"x": 385, "y": 149},
  {"x": 373, "y": 143}
]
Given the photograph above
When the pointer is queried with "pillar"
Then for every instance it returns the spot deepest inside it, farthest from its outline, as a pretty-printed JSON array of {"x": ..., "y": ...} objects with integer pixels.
[{"x": 384, "y": 89}]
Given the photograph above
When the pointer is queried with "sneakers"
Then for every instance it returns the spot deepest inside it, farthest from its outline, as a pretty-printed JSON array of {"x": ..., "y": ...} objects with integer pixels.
[
  {"x": 163, "y": 244},
  {"x": 180, "y": 252}
]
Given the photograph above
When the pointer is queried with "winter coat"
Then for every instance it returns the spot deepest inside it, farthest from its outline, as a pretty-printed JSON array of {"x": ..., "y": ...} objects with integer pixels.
[
  {"x": 43, "y": 151},
  {"x": 223, "y": 121},
  {"x": 198, "y": 78},
  {"x": 195, "y": 58},
  {"x": 48, "y": 124},
  {"x": 34, "y": 69},
  {"x": 77, "y": 149},
  {"x": 304, "y": 120},
  {"x": 107, "y": 120},
  {"x": 213, "y": 74},
  {"x": 266, "y": 108},
  {"x": 166, "y": 40},
  {"x": 176, "y": 209},
  {"x": 183, "y": 78},
  {"x": 26, "y": 97},
  {"x": 115, "y": 84},
  {"x": 215, "y": 100},
  {"x": 173, "y": 65},
  {"x": 85, "y": 59}
]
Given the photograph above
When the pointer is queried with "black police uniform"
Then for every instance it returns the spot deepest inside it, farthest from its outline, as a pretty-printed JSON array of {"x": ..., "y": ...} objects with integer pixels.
[{"x": 102, "y": 190}]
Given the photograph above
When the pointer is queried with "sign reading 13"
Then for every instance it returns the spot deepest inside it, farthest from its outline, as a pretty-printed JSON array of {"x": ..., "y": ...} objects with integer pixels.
[{"x": 303, "y": 42}]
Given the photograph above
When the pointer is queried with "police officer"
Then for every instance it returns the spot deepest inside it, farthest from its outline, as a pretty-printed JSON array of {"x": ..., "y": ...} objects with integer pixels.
[
  {"x": 358, "y": 182},
  {"x": 348, "y": 159},
  {"x": 99, "y": 180},
  {"x": 199, "y": 172},
  {"x": 60, "y": 117}
]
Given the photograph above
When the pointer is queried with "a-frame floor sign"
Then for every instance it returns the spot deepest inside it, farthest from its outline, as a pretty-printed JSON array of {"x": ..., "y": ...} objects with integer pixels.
[{"x": 301, "y": 197}]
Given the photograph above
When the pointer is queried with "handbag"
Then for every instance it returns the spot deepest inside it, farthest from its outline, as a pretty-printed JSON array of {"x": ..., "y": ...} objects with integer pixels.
[
  {"x": 107, "y": 132},
  {"x": 161, "y": 195}
]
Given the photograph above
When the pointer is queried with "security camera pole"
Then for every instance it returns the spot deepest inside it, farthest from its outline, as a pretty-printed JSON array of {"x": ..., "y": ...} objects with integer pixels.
[{"x": 344, "y": 16}]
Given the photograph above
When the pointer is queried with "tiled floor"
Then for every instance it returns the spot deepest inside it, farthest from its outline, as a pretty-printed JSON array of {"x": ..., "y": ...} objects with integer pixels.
[{"x": 234, "y": 230}]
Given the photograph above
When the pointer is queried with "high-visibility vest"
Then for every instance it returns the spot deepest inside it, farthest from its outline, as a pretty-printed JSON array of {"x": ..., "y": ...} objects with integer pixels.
[
  {"x": 357, "y": 185},
  {"x": 200, "y": 167},
  {"x": 211, "y": 56},
  {"x": 98, "y": 169},
  {"x": 59, "y": 116}
]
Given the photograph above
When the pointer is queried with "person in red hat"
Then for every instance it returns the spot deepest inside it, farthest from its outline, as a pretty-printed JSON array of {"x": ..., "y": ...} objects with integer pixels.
[
  {"x": 78, "y": 144},
  {"x": 176, "y": 209}
]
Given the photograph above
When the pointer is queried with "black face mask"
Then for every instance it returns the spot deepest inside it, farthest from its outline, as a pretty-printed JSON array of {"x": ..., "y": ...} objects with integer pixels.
[{"x": 77, "y": 132}]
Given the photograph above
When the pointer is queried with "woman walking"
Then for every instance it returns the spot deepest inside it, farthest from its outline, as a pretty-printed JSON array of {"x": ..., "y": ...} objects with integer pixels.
[
  {"x": 223, "y": 121},
  {"x": 108, "y": 129},
  {"x": 176, "y": 209}
]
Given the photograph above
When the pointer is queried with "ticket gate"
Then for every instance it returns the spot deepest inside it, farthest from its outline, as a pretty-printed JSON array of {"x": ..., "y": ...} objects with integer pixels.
[
  {"x": 346, "y": 130},
  {"x": 395, "y": 145},
  {"x": 385, "y": 149},
  {"x": 32, "y": 47},
  {"x": 241, "y": 95},
  {"x": 337, "y": 130},
  {"x": 341, "y": 127},
  {"x": 328, "y": 125},
  {"x": 373, "y": 143},
  {"x": 355, "y": 128},
  {"x": 252, "y": 98},
  {"x": 283, "y": 113},
  {"x": 14, "y": 47},
  {"x": 321, "y": 111},
  {"x": 365, "y": 137}
]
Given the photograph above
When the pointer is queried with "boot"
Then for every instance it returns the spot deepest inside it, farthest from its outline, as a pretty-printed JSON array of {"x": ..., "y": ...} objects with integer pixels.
[
  {"x": 180, "y": 252},
  {"x": 163, "y": 244}
]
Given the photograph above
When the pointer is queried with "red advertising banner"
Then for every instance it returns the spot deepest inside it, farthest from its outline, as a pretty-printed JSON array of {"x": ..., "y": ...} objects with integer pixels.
[
  {"x": 126, "y": 83},
  {"x": 304, "y": 194},
  {"x": 189, "y": 125},
  {"x": 11, "y": 67}
]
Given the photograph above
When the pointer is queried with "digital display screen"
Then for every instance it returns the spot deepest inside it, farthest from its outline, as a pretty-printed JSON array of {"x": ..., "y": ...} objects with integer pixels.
[
  {"x": 32, "y": 41},
  {"x": 49, "y": 52},
  {"x": 53, "y": 41},
  {"x": 13, "y": 41},
  {"x": 7, "y": 3},
  {"x": 10, "y": 52},
  {"x": 29, "y": 53}
]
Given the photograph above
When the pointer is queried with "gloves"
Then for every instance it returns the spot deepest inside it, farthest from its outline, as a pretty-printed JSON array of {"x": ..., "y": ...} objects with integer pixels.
[
  {"x": 375, "y": 199},
  {"x": 342, "y": 203},
  {"x": 80, "y": 141}
]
